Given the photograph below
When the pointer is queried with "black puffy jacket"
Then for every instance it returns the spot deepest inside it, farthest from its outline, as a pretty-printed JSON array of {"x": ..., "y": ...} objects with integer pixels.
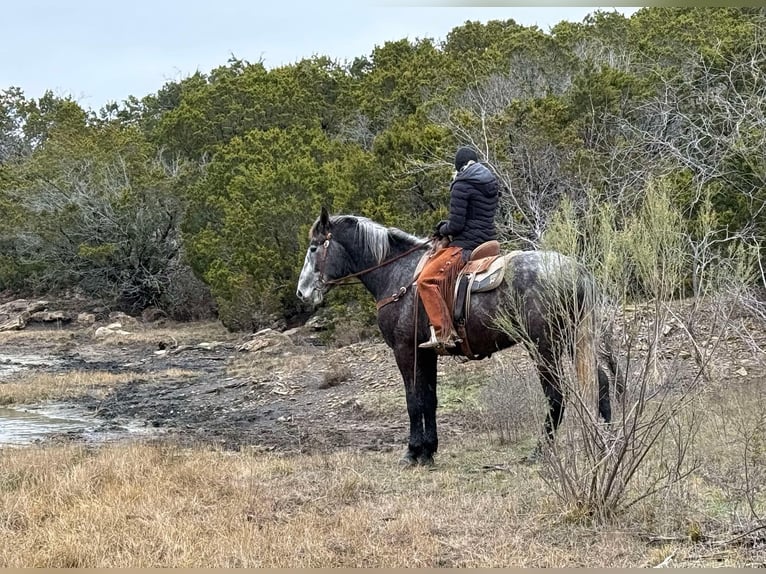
[{"x": 473, "y": 202}]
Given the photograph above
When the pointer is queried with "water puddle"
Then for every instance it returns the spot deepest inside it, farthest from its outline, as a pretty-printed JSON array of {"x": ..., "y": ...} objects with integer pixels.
[
  {"x": 26, "y": 426},
  {"x": 10, "y": 364}
]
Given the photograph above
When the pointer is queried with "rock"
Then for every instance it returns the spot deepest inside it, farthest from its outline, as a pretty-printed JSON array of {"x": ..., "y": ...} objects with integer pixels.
[
  {"x": 109, "y": 330},
  {"x": 301, "y": 335},
  {"x": 318, "y": 323},
  {"x": 21, "y": 305},
  {"x": 260, "y": 333},
  {"x": 265, "y": 339},
  {"x": 37, "y": 306},
  {"x": 15, "y": 324},
  {"x": 85, "y": 319},
  {"x": 126, "y": 320},
  {"x": 742, "y": 372},
  {"x": 50, "y": 317},
  {"x": 210, "y": 346},
  {"x": 15, "y": 315},
  {"x": 292, "y": 332},
  {"x": 14, "y": 307}
]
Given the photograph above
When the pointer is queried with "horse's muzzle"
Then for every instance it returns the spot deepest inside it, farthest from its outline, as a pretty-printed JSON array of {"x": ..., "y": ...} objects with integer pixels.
[{"x": 313, "y": 296}]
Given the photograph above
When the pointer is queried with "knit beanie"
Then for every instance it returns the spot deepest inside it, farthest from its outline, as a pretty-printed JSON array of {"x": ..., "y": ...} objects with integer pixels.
[{"x": 463, "y": 156}]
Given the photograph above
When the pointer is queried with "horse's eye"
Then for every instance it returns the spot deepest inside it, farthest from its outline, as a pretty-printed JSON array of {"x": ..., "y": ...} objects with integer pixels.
[{"x": 313, "y": 248}]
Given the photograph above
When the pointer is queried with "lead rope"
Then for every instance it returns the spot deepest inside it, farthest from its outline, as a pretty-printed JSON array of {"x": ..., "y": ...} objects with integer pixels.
[{"x": 416, "y": 304}]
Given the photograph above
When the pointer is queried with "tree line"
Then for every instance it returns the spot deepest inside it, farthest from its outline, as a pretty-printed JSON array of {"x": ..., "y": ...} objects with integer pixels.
[{"x": 198, "y": 198}]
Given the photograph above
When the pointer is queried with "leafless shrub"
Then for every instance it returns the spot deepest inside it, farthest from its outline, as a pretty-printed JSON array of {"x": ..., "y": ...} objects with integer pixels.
[
  {"x": 113, "y": 235},
  {"x": 511, "y": 403},
  {"x": 599, "y": 469},
  {"x": 186, "y": 297}
]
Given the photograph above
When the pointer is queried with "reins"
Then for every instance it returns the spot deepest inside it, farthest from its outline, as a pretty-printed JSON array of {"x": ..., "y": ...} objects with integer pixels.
[{"x": 345, "y": 279}]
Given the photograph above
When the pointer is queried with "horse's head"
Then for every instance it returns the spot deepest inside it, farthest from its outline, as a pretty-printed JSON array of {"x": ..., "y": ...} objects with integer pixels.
[
  {"x": 344, "y": 247},
  {"x": 323, "y": 262}
]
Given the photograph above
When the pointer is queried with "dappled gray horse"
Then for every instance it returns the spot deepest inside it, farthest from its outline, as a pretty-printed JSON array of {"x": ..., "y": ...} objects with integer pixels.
[{"x": 546, "y": 301}]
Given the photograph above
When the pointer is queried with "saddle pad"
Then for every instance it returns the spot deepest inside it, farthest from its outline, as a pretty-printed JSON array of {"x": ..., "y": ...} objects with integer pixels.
[
  {"x": 489, "y": 272},
  {"x": 489, "y": 276}
]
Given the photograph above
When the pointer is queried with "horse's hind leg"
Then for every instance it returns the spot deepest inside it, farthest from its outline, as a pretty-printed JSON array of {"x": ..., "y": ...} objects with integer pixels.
[
  {"x": 608, "y": 362},
  {"x": 420, "y": 388},
  {"x": 604, "y": 402},
  {"x": 549, "y": 379},
  {"x": 551, "y": 387}
]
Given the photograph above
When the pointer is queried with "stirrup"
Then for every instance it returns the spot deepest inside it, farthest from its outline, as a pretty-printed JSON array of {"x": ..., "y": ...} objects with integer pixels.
[{"x": 435, "y": 343}]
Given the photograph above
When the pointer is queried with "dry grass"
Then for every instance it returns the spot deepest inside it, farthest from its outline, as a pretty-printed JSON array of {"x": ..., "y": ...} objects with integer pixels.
[
  {"x": 177, "y": 333},
  {"x": 49, "y": 336},
  {"x": 34, "y": 387},
  {"x": 142, "y": 506}
]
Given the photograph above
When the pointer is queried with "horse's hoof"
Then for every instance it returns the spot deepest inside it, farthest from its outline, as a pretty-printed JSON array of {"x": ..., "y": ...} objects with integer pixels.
[
  {"x": 408, "y": 461},
  {"x": 533, "y": 457},
  {"x": 426, "y": 460}
]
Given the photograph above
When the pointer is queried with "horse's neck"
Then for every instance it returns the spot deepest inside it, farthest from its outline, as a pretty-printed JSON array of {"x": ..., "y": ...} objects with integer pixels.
[{"x": 388, "y": 278}]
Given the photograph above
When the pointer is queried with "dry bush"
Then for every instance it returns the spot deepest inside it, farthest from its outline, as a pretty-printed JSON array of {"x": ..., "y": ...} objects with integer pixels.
[
  {"x": 601, "y": 470},
  {"x": 512, "y": 405}
]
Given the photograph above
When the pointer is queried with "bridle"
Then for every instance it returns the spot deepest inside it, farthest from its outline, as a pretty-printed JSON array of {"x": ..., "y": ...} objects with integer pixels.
[{"x": 345, "y": 280}]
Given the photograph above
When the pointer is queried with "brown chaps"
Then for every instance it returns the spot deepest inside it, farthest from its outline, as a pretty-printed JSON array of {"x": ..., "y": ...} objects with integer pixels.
[{"x": 436, "y": 286}]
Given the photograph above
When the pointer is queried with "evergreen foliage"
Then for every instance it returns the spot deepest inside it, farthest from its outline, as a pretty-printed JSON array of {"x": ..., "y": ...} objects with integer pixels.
[{"x": 223, "y": 172}]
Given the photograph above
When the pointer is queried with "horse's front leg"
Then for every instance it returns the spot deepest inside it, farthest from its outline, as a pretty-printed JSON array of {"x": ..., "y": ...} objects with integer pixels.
[{"x": 418, "y": 371}]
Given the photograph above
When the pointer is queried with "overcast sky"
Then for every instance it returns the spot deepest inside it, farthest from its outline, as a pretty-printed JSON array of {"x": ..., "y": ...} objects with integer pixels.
[{"x": 100, "y": 51}]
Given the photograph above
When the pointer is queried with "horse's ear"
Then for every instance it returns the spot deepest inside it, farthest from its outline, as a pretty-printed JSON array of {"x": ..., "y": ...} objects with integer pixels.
[{"x": 324, "y": 220}]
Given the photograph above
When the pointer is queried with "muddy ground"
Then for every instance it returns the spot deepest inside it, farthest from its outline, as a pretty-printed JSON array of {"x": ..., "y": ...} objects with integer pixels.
[
  {"x": 293, "y": 394},
  {"x": 291, "y": 391}
]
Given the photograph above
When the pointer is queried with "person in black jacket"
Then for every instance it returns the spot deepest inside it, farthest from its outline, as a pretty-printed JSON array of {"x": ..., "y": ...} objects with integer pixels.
[{"x": 471, "y": 222}]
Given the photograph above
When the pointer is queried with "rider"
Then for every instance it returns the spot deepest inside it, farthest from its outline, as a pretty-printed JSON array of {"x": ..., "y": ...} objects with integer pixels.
[{"x": 471, "y": 222}]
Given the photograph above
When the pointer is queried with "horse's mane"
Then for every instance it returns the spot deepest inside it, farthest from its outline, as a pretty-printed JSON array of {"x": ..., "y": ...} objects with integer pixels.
[{"x": 374, "y": 237}]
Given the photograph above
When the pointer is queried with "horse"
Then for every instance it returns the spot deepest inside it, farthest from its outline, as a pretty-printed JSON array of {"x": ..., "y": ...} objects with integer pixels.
[{"x": 543, "y": 293}]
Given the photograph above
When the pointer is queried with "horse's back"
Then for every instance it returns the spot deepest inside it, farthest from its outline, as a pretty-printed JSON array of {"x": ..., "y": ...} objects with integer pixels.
[{"x": 539, "y": 289}]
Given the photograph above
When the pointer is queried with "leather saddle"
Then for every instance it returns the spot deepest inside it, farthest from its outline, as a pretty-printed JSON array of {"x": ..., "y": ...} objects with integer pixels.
[{"x": 484, "y": 271}]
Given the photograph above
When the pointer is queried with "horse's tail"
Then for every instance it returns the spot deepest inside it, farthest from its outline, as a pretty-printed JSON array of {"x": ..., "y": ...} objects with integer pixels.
[
  {"x": 585, "y": 334},
  {"x": 607, "y": 357}
]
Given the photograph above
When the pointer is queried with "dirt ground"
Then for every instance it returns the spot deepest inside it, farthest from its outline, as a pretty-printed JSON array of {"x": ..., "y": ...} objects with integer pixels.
[
  {"x": 192, "y": 383},
  {"x": 199, "y": 384}
]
